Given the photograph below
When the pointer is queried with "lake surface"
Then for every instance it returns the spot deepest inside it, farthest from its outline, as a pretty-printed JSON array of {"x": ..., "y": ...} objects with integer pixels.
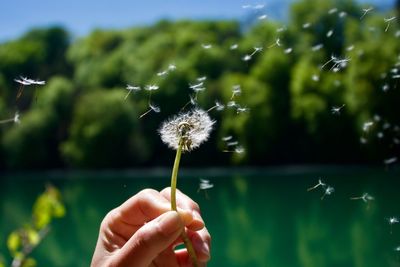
[{"x": 256, "y": 217}]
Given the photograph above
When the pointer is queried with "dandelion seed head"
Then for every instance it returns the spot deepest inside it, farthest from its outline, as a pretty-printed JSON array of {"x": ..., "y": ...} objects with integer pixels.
[{"x": 191, "y": 128}]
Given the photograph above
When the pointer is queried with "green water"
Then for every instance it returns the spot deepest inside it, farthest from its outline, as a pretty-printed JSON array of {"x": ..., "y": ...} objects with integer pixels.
[{"x": 255, "y": 217}]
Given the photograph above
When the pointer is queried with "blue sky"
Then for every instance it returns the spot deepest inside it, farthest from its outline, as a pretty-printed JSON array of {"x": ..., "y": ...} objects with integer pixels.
[{"x": 82, "y": 16}]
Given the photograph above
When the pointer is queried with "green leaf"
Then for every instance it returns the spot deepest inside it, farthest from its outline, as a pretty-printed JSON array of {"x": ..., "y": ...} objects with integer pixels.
[{"x": 14, "y": 242}]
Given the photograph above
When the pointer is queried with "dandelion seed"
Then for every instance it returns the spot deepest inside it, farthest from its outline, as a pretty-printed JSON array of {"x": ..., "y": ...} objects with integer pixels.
[
  {"x": 152, "y": 107},
  {"x": 315, "y": 78},
  {"x": 131, "y": 89},
  {"x": 365, "y": 197},
  {"x": 14, "y": 119},
  {"x": 380, "y": 135},
  {"x": 239, "y": 150},
  {"x": 218, "y": 106},
  {"x": 242, "y": 110},
  {"x": 231, "y": 104},
  {"x": 202, "y": 79},
  {"x": 288, "y": 50},
  {"x": 320, "y": 184},
  {"x": 396, "y": 141},
  {"x": 397, "y": 249},
  {"x": 317, "y": 47},
  {"x": 306, "y": 25},
  {"x": 277, "y": 43},
  {"x": 390, "y": 161},
  {"x": 392, "y": 221},
  {"x": 189, "y": 129},
  {"x": 377, "y": 118},
  {"x": 171, "y": 67},
  {"x": 227, "y": 138},
  {"x": 363, "y": 140},
  {"x": 367, "y": 125},
  {"x": 350, "y": 48},
  {"x": 262, "y": 17},
  {"x": 259, "y": 6},
  {"x": 386, "y": 126},
  {"x": 366, "y": 10},
  {"x": 206, "y": 46},
  {"x": 233, "y": 143},
  {"x": 337, "y": 110},
  {"x": 236, "y": 90},
  {"x": 162, "y": 73},
  {"x": 388, "y": 21},
  {"x": 281, "y": 29},
  {"x": 329, "y": 33},
  {"x": 151, "y": 87},
  {"x": 205, "y": 184},
  {"x": 328, "y": 191},
  {"x": 397, "y": 34},
  {"x": 332, "y": 11},
  {"x": 234, "y": 46},
  {"x": 396, "y": 77},
  {"x": 337, "y": 83},
  {"x": 22, "y": 82},
  {"x": 342, "y": 14},
  {"x": 246, "y": 58},
  {"x": 385, "y": 87}
]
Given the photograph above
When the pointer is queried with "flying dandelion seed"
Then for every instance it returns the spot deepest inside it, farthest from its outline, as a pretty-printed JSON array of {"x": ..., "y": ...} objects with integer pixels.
[
  {"x": 131, "y": 89},
  {"x": 227, "y": 138},
  {"x": 385, "y": 87},
  {"x": 366, "y": 10},
  {"x": 239, "y": 150},
  {"x": 377, "y": 118},
  {"x": 315, "y": 78},
  {"x": 24, "y": 81},
  {"x": 329, "y": 34},
  {"x": 231, "y": 104},
  {"x": 390, "y": 161},
  {"x": 281, "y": 29},
  {"x": 171, "y": 67},
  {"x": 337, "y": 110},
  {"x": 191, "y": 128},
  {"x": 205, "y": 184},
  {"x": 152, "y": 107},
  {"x": 288, "y": 50},
  {"x": 306, "y": 25},
  {"x": 234, "y": 47},
  {"x": 365, "y": 197},
  {"x": 319, "y": 184},
  {"x": 233, "y": 143},
  {"x": 218, "y": 106},
  {"x": 392, "y": 221},
  {"x": 162, "y": 73},
  {"x": 262, "y": 17},
  {"x": 236, "y": 90},
  {"x": 246, "y": 58},
  {"x": 206, "y": 46},
  {"x": 332, "y": 11},
  {"x": 363, "y": 140},
  {"x": 202, "y": 79},
  {"x": 328, "y": 191},
  {"x": 388, "y": 21},
  {"x": 240, "y": 110},
  {"x": 151, "y": 87},
  {"x": 397, "y": 249},
  {"x": 14, "y": 119},
  {"x": 367, "y": 125},
  {"x": 350, "y": 48},
  {"x": 380, "y": 135},
  {"x": 342, "y": 14},
  {"x": 317, "y": 47},
  {"x": 276, "y": 43}
]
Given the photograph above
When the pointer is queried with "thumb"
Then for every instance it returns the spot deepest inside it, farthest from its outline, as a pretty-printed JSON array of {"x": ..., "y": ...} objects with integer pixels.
[{"x": 150, "y": 240}]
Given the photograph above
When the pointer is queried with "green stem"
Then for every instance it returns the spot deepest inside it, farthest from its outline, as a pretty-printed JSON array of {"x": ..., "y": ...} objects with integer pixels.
[{"x": 174, "y": 179}]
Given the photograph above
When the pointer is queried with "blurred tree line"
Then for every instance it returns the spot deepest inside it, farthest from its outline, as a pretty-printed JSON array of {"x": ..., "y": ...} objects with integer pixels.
[{"x": 80, "y": 118}]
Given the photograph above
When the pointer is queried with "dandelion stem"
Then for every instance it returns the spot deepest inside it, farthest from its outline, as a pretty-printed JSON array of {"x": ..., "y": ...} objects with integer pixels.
[{"x": 174, "y": 179}]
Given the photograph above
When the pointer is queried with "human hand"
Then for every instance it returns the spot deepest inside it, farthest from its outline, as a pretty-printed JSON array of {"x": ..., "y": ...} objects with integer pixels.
[{"x": 143, "y": 232}]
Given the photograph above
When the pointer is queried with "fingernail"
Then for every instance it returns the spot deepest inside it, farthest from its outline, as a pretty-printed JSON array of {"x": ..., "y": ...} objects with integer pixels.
[
  {"x": 198, "y": 219},
  {"x": 170, "y": 222}
]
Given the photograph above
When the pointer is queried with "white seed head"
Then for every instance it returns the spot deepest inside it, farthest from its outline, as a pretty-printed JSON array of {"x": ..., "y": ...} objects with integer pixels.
[{"x": 191, "y": 128}]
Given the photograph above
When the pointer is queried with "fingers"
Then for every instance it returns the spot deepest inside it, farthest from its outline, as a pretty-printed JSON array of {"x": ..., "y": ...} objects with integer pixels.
[
  {"x": 186, "y": 203},
  {"x": 149, "y": 241}
]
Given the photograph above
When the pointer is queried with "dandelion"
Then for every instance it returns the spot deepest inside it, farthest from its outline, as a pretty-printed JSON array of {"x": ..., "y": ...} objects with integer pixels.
[
  {"x": 197, "y": 87},
  {"x": 366, "y": 10},
  {"x": 336, "y": 110},
  {"x": 385, "y": 87},
  {"x": 185, "y": 132},
  {"x": 14, "y": 119},
  {"x": 388, "y": 21},
  {"x": 131, "y": 89},
  {"x": 320, "y": 184}
]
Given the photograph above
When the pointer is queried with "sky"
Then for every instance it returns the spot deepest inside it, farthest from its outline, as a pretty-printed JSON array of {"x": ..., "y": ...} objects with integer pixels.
[{"x": 82, "y": 16}]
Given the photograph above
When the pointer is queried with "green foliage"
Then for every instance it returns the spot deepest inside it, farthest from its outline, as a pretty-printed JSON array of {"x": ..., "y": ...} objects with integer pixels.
[
  {"x": 80, "y": 119},
  {"x": 21, "y": 242}
]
